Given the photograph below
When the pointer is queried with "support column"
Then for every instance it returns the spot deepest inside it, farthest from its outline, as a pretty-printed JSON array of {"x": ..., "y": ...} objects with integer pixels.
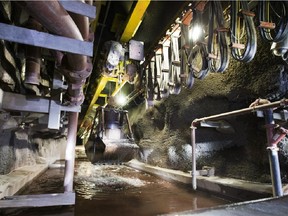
[
  {"x": 70, "y": 152},
  {"x": 273, "y": 154}
]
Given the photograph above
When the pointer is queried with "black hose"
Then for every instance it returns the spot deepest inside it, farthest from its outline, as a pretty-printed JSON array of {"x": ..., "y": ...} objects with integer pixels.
[
  {"x": 219, "y": 48},
  {"x": 203, "y": 65},
  {"x": 276, "y": 13},
  {"x": 250, "y": 30}
]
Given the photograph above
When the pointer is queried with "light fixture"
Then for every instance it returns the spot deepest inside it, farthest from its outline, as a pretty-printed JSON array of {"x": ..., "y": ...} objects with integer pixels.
[
  {"x": 121, "y": 100},
  {"x": 195, "y": 33}
]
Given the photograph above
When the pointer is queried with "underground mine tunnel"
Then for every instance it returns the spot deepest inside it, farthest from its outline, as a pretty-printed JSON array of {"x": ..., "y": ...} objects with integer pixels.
[{"x": 143, "y": 107}]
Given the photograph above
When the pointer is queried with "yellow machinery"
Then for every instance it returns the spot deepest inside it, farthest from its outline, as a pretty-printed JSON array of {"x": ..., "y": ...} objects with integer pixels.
[{"x": 111, "y": 138}]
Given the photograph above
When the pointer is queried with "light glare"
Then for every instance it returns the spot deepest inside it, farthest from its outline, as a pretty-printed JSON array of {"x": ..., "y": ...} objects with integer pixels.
[
  {"x": 121, "y": 100},
  {"x": 195, "y": 33}
]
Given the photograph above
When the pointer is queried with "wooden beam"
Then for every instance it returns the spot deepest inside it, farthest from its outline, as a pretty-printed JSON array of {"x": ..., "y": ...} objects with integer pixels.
[
  {"x": 45, "y": 40},
  {"x": 39, "y": 200}
]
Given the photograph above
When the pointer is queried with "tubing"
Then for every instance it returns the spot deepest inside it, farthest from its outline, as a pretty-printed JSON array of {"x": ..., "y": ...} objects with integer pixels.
[
  {"x": 241, "y": 111},
  {"x": 272, "y": 146},
  {"x": 74, "y": 67},
  {"x": 273, "y": 154},
  {"x": 55, "y": 18},
  {"x": 33, "y": 58},
  {"x": 70, "y": 152},
  {"x": 193, "y": 143}
]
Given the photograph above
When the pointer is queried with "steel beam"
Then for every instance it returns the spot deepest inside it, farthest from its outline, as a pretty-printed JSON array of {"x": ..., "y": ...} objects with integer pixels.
[
  {"x": 45, "y": 40},
  {"x": 134, "y": 20},
  {"x": 79, "y": 7},
  {"x": 39, "y": 200}
]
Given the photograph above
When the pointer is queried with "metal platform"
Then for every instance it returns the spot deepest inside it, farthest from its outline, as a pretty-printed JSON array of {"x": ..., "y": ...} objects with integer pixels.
[{"x": 268, "y": 206}]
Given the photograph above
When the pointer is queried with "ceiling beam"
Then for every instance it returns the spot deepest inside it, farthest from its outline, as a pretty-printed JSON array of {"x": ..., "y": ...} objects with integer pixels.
[{"x": 134, "y": 20}]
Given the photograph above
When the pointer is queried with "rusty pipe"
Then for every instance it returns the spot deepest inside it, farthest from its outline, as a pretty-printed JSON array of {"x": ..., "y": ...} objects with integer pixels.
[
  {"x": 74, "y": 67},
  {"x": 33, "y": 65},
  {"x": 82, "y": 23},
  {"x": 273, "y": 154},
  {"x": 251, "y": 109},
  {"x": 56, "y": 19},
  {"x": 33, "y": 57}
]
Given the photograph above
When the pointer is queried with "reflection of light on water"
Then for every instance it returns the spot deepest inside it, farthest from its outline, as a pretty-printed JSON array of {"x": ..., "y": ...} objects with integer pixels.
[{"x": 91, "y": 180}]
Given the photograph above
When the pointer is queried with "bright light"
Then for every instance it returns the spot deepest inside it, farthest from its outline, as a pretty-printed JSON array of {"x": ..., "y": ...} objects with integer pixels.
[
  {"x": 195, "y": 33},
  {"x": 121, "y": 100}
]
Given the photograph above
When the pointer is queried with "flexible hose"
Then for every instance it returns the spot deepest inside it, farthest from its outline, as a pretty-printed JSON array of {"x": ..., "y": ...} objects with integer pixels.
[
  {"x": 268, "y": 13},
  {"x": 219, "y": 47},
  {"x": 250, "y": 30}
]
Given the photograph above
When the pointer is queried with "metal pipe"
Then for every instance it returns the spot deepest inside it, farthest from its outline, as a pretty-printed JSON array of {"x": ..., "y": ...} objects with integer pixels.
[
  {"x": 193, "y": 143},
  {"x": 129, "y": 124},
  {"x": 82, "y": 23},
  {"x": 33, "y": 58},
  {"x": 241, "y": 111},
  {"x": 273, "y": 154},
  {"x": 55, "y": 18},
  {"x": 70, "y": 152}
]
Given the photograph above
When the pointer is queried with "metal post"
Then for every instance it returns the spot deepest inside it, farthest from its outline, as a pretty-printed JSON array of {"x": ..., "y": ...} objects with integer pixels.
[
  {"x": 70, "y": 152},
  {"x": 273, "y": 154},
  {"x": 193, "y": 143}
]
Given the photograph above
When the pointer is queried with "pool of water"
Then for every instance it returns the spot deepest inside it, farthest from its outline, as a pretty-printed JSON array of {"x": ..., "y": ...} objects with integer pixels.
[{"x": 116, "y": 190}]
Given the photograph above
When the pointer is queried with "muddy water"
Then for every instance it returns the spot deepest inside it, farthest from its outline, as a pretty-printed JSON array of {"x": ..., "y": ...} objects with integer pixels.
[{"x": 116, "y": 190}]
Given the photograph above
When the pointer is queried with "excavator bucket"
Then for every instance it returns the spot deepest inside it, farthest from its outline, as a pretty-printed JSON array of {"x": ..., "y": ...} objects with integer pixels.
[
  {"x": 115, "y": 151},
  {"x": 107, "y": 142}
]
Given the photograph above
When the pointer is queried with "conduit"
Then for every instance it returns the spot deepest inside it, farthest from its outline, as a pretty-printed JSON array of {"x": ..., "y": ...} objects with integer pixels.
[
  {"x": 70, "y": 152},
  {"x": 33, "y": 58},
  {"x": 272, "y": 148},
  {"x": 56, "y": 19}
]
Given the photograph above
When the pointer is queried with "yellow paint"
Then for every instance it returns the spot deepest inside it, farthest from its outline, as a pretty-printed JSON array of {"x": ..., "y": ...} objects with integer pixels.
[
  {"x": 135, "y": 20},
  {"x": 86, "y": 124}
]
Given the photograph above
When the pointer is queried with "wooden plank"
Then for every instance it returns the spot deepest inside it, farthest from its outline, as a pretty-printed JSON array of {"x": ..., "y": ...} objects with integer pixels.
[
  {"x": 79, "y": 7},
  {"x": 45, "y": 40},
  {"x": 39, "y": 200}
]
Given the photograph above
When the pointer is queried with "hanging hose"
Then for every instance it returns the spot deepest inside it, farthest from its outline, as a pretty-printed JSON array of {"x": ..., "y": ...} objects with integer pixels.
[
  {"x": 198, "y": 56},
  {"x": 240, "y": 12},
  {"x": 217, "y": 43},
  {"x": 174, "y": 73},
  {"x": 273, "y": 19}
]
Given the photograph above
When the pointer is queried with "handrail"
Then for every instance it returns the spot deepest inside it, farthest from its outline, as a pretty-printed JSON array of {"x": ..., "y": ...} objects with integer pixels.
[
  {"x": 252, "y": 108},
  {"x": 275, "y": 104}
]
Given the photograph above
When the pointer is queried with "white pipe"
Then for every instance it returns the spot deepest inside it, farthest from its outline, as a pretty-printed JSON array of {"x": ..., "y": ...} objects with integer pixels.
[{"x": 70, "y": 152}]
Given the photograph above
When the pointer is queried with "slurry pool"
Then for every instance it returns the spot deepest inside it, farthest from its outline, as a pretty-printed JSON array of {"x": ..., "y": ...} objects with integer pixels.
[{"x": 116, "y": 190}]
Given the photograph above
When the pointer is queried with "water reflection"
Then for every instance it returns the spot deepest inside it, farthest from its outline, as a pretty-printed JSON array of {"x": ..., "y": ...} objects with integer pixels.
[{"x": 117, "y": 190}]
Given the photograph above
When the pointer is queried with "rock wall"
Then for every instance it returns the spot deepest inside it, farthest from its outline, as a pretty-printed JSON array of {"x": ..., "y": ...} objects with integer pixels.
[
  {"x": 163, "y": 131},
  {"x": 20, "y": 147}
]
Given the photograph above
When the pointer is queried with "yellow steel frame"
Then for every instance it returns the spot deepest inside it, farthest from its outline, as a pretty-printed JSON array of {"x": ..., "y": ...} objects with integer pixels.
[
  {"x": 103, "y": 80},
  {"x": 134, "y": 20}
]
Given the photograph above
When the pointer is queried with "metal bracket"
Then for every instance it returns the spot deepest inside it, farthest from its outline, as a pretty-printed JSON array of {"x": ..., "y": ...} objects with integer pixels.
[
  {"x": 29, "y": 103},
  {"x": 277, "y": 115}
]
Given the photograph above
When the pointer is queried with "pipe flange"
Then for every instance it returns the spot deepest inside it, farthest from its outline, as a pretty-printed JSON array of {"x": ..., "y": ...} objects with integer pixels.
[
  {"x": 69, "y": 100},
  {"x": 75, "y": 76}
]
